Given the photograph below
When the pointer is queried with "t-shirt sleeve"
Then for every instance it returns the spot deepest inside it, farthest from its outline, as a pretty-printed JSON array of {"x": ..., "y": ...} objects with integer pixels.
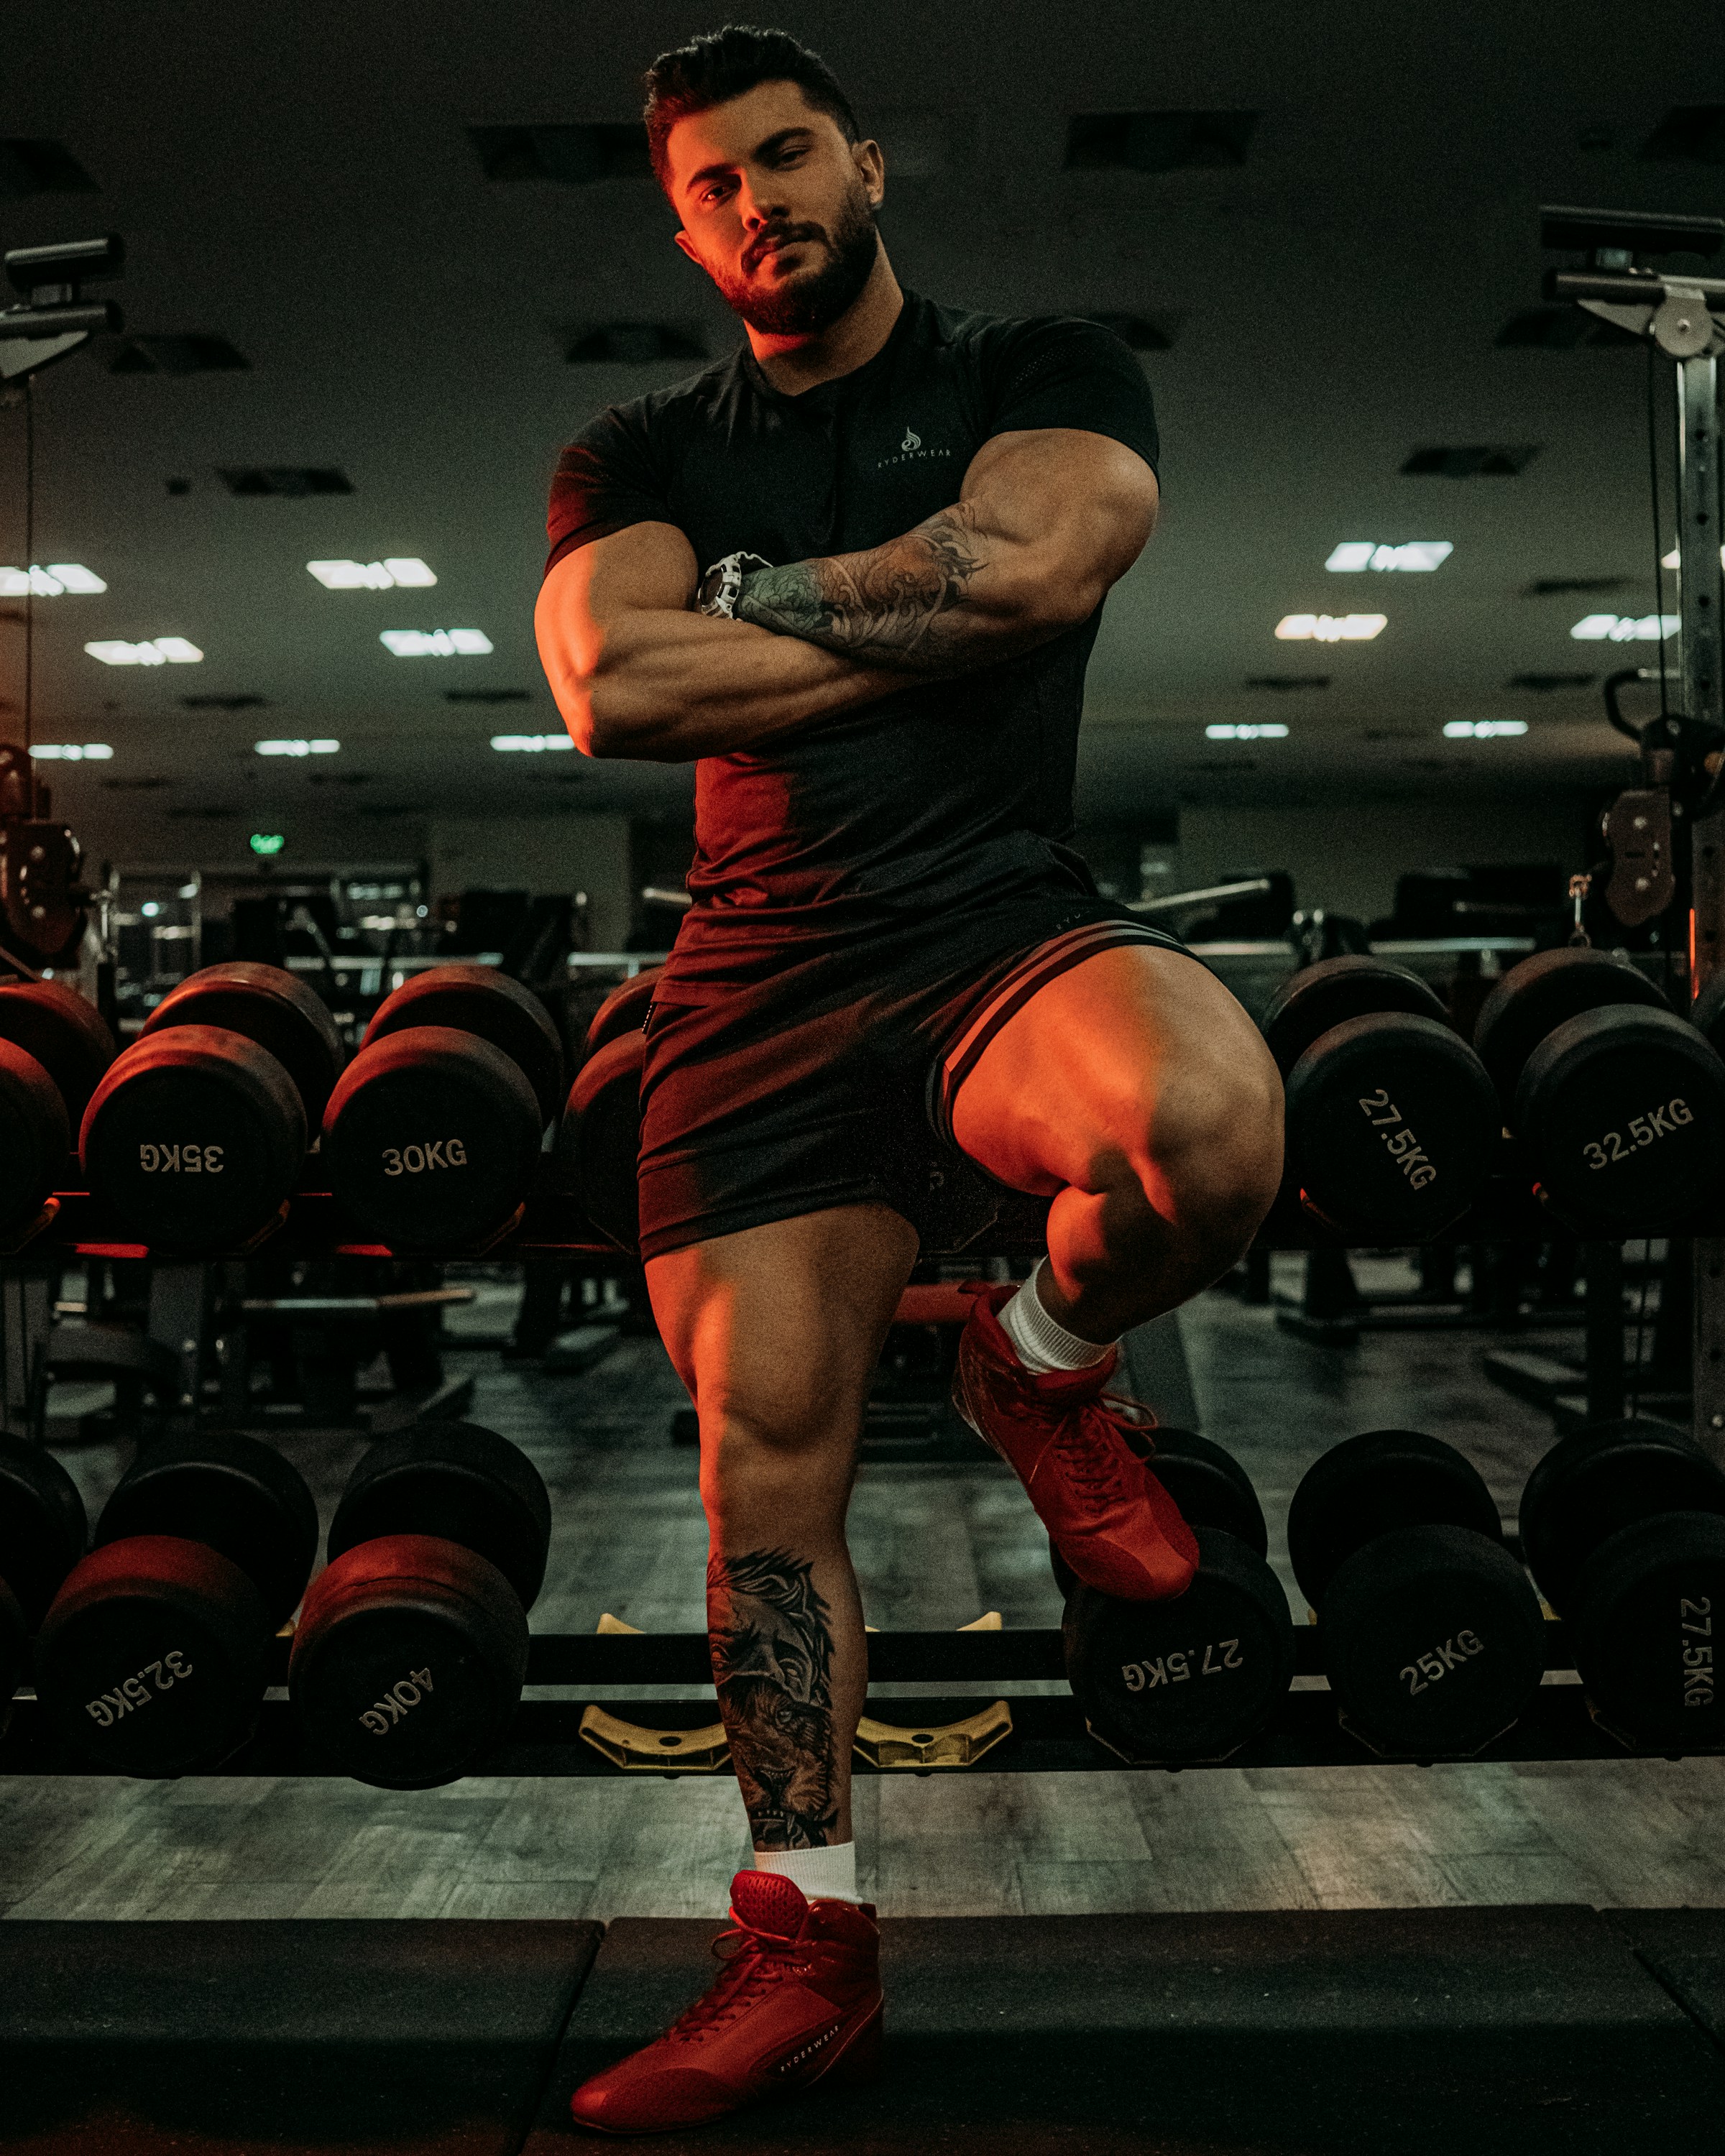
[
  {"x": 1069, "y": 373},
  {"x": 605, "y": 481}
]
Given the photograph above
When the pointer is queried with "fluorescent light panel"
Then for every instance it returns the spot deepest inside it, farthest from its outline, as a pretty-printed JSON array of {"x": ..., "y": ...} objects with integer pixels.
[
  {"x": 71, "y": 751},
  {"x": 1483, "y": 729},
  {"x": 404, "y": 572},
  {"x": 1271, "y": 731},
  {"x": 160, "y": 651},
  {"x": 1415, "y": 554},
  {"x": 531, "y": 744},
  {"x": 50, "y": 583},
  {"x": 1331, "y": 629},
  {"x": 297, "y": 747},
  {"x": 1625, "y": 629},
  {"x": 436, "y": 643}
]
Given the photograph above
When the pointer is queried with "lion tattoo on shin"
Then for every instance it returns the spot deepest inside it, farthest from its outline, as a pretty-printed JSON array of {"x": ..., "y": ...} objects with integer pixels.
[{"x": 773, "y": 1656}]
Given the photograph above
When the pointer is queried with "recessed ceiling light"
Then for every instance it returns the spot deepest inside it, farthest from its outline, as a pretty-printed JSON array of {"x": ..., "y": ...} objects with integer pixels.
[
  {"x": 1331, "y": 629},
  {"x": 531, "y": 744},
  {"x": 49, "y": 583},
  {"x": 436, "y": 643},
  {"x": 161, "y": 651},
  {"x": 1483, "y": 729},
  {"x": 1270, "y": 731},
  {"x": 1624, "y": 629},
  {"x": 266, "y": 842},
  {"x": 296, "y": 748},
  {"x": 1353, "y": 554},
  {"x": 72, "y": 751},
  {"x": 406, "y": 570}
]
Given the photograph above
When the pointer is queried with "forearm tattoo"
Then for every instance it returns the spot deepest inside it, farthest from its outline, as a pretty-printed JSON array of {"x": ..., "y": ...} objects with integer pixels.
[
  {"x": 771, "y": 1647},
  {"x": 895, "y": 605}
]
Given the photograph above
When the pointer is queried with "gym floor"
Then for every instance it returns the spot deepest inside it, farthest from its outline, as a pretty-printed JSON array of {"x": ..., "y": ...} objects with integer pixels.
[{"x": 935, "y": 1545}]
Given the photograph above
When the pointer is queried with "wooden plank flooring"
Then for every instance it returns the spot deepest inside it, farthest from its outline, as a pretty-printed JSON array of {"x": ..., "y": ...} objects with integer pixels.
[{"x": 934, "y": 1545}]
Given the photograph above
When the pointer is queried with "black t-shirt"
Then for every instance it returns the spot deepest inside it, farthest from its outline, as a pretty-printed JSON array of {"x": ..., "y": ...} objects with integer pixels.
[{"x": 951, "y": 791}]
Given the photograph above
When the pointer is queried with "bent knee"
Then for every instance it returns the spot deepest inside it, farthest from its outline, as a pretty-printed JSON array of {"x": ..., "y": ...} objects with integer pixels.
[
  {"x": 766, "y": 1467},
  {"x": 1210, "y": 1156}
]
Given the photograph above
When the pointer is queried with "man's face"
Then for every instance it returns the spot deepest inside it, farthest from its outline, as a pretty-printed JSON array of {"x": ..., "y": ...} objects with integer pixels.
[{"x": 777, "y": 206}]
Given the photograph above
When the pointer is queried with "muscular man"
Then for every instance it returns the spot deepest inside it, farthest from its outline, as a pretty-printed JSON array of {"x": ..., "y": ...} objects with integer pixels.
[{"x": 854, "y": 573}]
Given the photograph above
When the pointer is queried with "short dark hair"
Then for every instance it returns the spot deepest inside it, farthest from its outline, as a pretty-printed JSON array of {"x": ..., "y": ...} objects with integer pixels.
[{"x": 725, "y": 63}]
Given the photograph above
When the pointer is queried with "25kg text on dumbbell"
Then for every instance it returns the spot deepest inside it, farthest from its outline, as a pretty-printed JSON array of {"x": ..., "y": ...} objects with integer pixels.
[
  {"x": 1451, "y": 1655},
  {"x": 1644, "y": 1130}
]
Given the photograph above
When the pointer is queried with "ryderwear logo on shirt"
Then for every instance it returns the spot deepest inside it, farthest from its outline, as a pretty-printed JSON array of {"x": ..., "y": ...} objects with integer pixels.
[{"x": 910, "y": 451}]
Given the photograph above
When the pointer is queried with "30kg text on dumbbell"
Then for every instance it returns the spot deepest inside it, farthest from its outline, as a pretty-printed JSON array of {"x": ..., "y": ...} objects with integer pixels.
[
  {"x": 1439, "y": 1663},
  {"x": 1698, "y": 1659},
  {"x": 134, "y": 1693},
  {"x": 1177, "y": 1668},
  {"x": 1406, "y": 1150},
  {"x": 418, "y": 1159},
  {"x": 1643, "y": 1131},
  {"x": 180, "y": 1159},
  {"x": 382, "y": 1717}
]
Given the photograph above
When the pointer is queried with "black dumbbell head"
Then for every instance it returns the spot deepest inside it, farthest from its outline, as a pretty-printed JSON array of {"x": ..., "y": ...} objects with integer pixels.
[
  {"x": 268, "y": 1005},
  {"x": 195, "y": 1137},
  {"x": 152, "y": 1659},
  {"x": 1370, "y": 1484},
  {"x": 14, "y": 1651},
  {"x": 43, "y": 1530},
  {"x": 1598, "y": 1480},
  {"x": 1316, "y": 997},
  {"x": 1209, "y": 1487},
  {"x": 1622, "y": 1113},
  {"x": 1707, "y": 1014},
  {"x": 480, "y": 1000},
  {"x": 69, "y": 1037},
  {"x": 408, "y": 1661},
  {"x": 432, "y": 1139},
  {"x": 624, "y": 1010},
  {"x": 1432, "y": 1639},
  {"x": 1189, "y": 1679},
  {"x": 232, "y": 1492},
  {"x": 1537, "y": 996},
  {"x": 599, "y": 1139},
  {"x": 1392, "y": 1126},
  {"x": 458, "y": 1483},
  {"x": 1648, "y": 1626},
  {"x": 35, "y": 1136}
]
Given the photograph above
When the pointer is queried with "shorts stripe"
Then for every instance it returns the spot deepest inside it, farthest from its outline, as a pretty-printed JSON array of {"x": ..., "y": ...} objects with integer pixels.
[{"x": 1035, "y": 969}]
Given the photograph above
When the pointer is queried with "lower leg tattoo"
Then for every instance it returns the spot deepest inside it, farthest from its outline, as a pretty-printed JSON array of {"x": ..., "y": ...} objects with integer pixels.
[{"x": 771, "y": 1642}]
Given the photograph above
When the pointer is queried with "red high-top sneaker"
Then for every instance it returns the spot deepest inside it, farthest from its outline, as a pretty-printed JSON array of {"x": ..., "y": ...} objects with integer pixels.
[
  {"x": 798, "y": 2002},
  {"x": 1067, "y": 1441}
]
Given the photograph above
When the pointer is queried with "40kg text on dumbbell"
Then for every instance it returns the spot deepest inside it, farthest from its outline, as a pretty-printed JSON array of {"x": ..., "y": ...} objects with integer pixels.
[{"x": 382, "y": 1717}]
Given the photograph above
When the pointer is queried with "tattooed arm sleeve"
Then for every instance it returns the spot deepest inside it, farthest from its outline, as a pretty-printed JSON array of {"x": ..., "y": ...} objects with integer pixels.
[
  {"x": 1048, "y": 519},
  {"x": 771, "y": 1644}
]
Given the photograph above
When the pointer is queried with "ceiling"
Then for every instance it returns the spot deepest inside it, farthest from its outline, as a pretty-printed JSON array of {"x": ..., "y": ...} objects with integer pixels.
[{"x": 301, "y": 182}]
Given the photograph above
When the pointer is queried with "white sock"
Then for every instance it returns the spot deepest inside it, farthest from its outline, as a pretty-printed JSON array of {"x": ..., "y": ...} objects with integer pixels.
[
  {"x": 827, "y": 1874},
  {"x": 1041, "y": 1344}
]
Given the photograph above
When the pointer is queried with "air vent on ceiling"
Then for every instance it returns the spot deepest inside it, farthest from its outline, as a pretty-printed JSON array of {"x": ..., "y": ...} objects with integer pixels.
[
  {"x": 1688, "y": 134},
  {"x": 134, "y": 785},
  {"x": 178, "y": 355},
  {"x": 29, "y": 165},
  {"x": 241, "y": 703},
  {"x": 1138, "y": 330},
  {"x": 287, "y": 479},
  {"x": 570, "y": 154},
  {"x": 1559, "y": 329},
  {"x": 632, "y": 344},
  {"x": 1284, "y": 683},
  {"x": 1157, "y": 142},
  {"x": 487, "y": 695},
  {"x": 1553, "y": 587},
  {"x": 1484, "y": 461},
  {"x": 1545, "y": 684}
]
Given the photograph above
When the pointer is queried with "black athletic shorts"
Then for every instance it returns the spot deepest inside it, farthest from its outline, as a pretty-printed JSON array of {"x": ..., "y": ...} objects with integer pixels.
[{"x": 793, "y": 1072}]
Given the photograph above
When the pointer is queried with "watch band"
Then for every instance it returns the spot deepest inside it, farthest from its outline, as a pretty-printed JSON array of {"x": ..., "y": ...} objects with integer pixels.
[{"x": 721, "y": 586}]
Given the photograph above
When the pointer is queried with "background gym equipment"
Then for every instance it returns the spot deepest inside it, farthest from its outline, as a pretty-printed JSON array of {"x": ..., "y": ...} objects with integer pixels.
[
  {"x": 153, "y": 1657},
  {"x": 1618, "y": 1105},
  {"x": 1430, "y": 1633},
  {"x": 197, "y": 1134},
  {"x": 624, "y": 1011},
  {"x": 54, "y": 1048},
  {"x": 43, "y": 1532},
  {"x": 1624, "y": 1528},
  {"x": 1195, "y": 1677},
  {"x": 433, "y": 1134},
  {"x": 1392, "y": 1122},
  {"x": 412, "y": 1649},
  {"x": 599, "y": 1138}
]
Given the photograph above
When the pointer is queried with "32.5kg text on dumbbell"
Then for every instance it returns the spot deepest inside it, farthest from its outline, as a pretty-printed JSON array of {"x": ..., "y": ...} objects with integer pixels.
[
  {"x": 1698, "y": 1617},
  {"x": 1643, "y": 1130},
  {"x": 133, "y": 1692},
  {"x": 1406, "y": 1150}
]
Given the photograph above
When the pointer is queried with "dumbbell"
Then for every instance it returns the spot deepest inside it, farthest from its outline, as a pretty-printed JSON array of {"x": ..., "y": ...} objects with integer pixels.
[
  {"x": 599, "y": 1141},
  {"x": 1192, "y": 1678},
  {"x": 1618, "y": 1103},
  {"x": 154, "y": 1654},
  {"x": 1432, "y": 1636},
  {"x": 196, "y": 1136},
  {"x": 624, "y": 1011},
  {"x": 432, "y": 1134},
  {"x": 1624, "y": 1528},
  {"x": 410, "y": 1653},
  {"x": 1392, "y": 1121},
  {"x": 54, "y": 1048},
  {"x": 42, "y": 1534}
]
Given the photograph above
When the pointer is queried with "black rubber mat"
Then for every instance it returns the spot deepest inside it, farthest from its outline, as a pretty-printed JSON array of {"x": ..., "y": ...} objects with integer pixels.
[
  {"x": 1448, "y": 2032},
  {"x": 280, "y": 2038},
  {"x": 1685, "y": 1948}
]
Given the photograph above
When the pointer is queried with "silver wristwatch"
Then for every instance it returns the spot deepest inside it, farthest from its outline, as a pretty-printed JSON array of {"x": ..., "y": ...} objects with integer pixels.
[{"x": 721, "y": 586}]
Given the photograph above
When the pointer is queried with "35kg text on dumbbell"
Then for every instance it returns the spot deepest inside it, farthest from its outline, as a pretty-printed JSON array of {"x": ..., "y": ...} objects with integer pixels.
[{"x": 180, "y": 1159}]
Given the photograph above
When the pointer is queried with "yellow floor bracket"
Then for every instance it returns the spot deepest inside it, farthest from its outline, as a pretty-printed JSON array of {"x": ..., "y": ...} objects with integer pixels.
[
  {"x": 948, "y": 1744},
  {"x": 640, "y": 1751}
]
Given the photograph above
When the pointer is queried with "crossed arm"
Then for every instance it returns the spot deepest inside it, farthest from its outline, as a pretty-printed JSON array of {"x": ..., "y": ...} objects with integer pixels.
[{"x": 1045, "y": 521}]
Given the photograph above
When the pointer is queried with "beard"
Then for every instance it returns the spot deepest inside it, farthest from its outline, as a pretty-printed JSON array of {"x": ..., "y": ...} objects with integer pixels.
[{"x": 813, "y": 300}]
